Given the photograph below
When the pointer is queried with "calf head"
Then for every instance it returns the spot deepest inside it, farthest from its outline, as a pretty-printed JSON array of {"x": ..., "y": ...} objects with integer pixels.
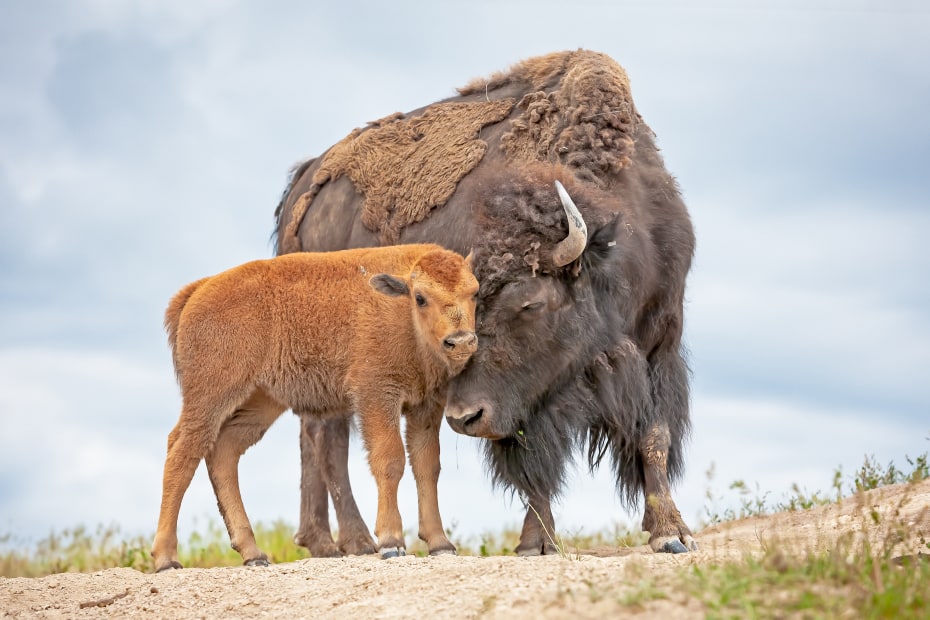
[{"x": 442, "y": 291}]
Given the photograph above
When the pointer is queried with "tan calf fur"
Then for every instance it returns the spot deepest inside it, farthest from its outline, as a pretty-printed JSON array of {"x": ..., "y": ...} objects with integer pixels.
[{"x": 377, "y": 331}]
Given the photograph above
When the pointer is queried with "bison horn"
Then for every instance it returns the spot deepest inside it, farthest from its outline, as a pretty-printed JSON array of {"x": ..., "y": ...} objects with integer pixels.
[{"x": 572, "y": 245}]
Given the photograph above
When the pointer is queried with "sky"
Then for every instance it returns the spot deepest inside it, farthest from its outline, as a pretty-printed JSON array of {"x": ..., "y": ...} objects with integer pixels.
[{"x": 145, "y": 144}]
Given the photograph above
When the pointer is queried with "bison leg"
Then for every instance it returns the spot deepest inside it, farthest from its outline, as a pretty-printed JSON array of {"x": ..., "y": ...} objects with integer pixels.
[
  {"x": 423, "y": 450},
  {"x": 667, "y": 531},
  {"x": 324, "y": 453},
  {"x": 538, "y": 534},
  {"x": 242, "y": 430},
  {"x": 313, "y": 532},
  {"x": 180, "y": 465},
  {"x": 380, "y": 426}
]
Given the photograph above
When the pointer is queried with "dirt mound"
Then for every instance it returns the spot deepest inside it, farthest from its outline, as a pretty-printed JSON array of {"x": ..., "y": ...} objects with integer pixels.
[{"x": 580, "y": 583}]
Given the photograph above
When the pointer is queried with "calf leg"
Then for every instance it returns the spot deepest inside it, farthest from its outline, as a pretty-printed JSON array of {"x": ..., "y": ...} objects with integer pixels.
[
  {"x": 380, "y": 428},
  {"x": 180, "y": 465},
  {"x": 242, "y": 430},
  {"x": 324, "y": 450},
  {"x": 667, "y": 531},
  {"x": 538, "y": 534},
  {"x": 423, "y": 450}
]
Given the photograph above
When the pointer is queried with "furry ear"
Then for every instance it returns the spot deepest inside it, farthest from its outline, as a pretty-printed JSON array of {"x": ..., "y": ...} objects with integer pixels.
[
  {"x": 601, "y": 244},
  {"x": 389, "y": 285},
  {"x": 470, "y": 259}
]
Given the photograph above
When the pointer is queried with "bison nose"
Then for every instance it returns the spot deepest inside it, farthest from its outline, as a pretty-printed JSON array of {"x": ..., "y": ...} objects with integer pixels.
[
  {"x": 472, "y": 421},
  {"x": 461, "y": 342},
  {"x": 462, "y": 424}
]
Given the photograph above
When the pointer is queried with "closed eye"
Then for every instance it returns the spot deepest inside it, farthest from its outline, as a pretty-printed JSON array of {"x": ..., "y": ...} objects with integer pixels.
[{"x": 532, "y": 307}]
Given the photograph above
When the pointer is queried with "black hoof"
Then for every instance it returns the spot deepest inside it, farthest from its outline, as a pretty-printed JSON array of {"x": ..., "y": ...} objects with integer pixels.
[
  {"x": 443, "y": 552},
  {"x": 258, "y": 562},
  {"x": 674, "y": 546},
  {"x": 392, "y": 552}
]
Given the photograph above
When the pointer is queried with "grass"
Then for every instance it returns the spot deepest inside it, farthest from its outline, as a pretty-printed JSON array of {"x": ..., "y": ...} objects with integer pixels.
[
  {"x": 857, "y": 577},
  {"x": 812, "y": 585},
  {"x": 79, "y": 550}
]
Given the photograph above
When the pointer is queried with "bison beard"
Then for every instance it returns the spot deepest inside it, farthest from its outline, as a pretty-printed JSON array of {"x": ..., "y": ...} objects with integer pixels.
[{"x": 597, "y": 361}]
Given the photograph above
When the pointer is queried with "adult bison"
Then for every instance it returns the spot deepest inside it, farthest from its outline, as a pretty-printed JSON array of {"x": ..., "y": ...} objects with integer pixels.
[{"x": 581, "y": 290}]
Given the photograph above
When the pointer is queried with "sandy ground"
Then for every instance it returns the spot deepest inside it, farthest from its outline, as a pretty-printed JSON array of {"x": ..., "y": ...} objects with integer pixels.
[{"x": 579, "y": 584}]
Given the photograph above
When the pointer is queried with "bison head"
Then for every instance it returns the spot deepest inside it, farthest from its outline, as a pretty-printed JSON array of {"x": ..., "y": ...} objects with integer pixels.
[
  {"x": 543, "y": 316},
  {"x": 442, "y": 290}
]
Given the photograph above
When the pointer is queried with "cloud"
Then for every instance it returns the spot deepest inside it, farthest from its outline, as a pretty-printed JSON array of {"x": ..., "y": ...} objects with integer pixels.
[{"x": 777, "y": 299}]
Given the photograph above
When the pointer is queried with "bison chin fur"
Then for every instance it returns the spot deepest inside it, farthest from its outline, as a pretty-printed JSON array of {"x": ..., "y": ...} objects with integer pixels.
[{"x": 607, "y": 410}]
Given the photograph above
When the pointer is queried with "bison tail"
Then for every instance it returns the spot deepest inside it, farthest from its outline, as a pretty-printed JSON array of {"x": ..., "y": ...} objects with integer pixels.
[
  {"x": 280, "y": 225},
  {"x": 173, "y": 314}
]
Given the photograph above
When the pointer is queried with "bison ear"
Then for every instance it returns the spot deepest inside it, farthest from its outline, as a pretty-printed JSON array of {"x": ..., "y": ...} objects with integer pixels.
[
  {"x": 470, "y": 259},
  {"x": 389, "y": 285},
  {"x": 602, "y": 244}
]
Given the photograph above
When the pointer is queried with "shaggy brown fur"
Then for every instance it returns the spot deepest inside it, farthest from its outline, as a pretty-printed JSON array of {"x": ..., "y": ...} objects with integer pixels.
[
  {"x": 407, "y": 166},
  {"x": 579, "y": 111},
  {"x": 306, "y": 331}
]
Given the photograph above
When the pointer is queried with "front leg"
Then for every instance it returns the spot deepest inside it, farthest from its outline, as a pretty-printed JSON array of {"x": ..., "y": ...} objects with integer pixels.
[
  {"x": 324, "y": 453},
  {"x": 333, "y": 453},
  {"x": 667, "y": 531},
  {"x": 538, "y": 534},
  {"x": 314, "y": 531},
  {"x": 423, "y": 424},
  {"x": 380, "y": 426}
]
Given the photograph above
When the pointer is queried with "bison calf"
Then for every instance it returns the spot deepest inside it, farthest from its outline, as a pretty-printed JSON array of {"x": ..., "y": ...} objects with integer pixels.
[{"x": 377, "y": 331}]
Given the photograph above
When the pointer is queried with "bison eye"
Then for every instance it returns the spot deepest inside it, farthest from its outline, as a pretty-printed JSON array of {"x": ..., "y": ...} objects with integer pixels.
[
  {"x": 421, "y": 301},
  {"x": 532, "y": 307}
]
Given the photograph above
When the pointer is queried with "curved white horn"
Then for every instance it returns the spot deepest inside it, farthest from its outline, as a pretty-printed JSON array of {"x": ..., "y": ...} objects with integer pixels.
[{"x": 572, "y": 245}]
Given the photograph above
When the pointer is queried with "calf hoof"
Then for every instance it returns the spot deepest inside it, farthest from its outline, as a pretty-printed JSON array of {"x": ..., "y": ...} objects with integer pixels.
[
  {"x": 392, "y": 552},
  {"x": 258, "y": 562},
  {"x": 442, "y": 546},
  {"x": 172, "y": 565}
]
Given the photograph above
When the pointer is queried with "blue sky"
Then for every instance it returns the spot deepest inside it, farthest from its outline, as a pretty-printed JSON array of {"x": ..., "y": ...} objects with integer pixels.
[{"x": 145, "y": 144}]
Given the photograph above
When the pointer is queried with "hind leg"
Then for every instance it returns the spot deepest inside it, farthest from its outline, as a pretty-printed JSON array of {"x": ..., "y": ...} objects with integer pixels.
[
  {"x": 184, "y": 451},
  {"x": 240, "y": 431}
]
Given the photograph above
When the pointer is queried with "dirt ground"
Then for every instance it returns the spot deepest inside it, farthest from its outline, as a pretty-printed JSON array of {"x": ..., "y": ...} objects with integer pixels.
[{"x": 578, "y": 584}]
